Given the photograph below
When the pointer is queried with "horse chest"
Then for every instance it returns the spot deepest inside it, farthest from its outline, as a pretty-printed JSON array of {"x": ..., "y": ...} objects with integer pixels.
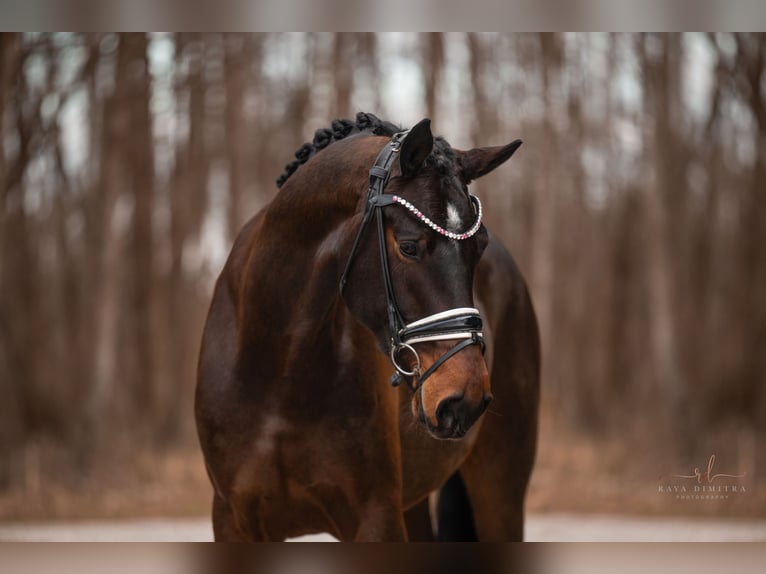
[{"x": 427, "y": 462}]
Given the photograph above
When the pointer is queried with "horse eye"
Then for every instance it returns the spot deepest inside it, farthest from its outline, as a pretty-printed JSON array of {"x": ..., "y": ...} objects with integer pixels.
[{"x": 408, "y": 249}]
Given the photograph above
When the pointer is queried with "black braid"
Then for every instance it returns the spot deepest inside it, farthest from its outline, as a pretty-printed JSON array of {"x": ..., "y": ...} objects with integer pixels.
[
  {"x": 304, "y": 152},
  {"x": 441, "y": 159},
  {"x": 339, "y": 130}
]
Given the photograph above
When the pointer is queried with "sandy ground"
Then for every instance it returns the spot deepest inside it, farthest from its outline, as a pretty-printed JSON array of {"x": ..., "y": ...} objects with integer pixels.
[{"x": 540, "y": 527}]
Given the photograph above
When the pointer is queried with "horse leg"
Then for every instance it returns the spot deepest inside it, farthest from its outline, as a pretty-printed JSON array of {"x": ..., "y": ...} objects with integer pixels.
[
  {"x": 497, "y": 493},
  {"x": 224, "y": 523},
  {"x": 418, "y": 522},
  {"x": 495, "y": 477},
  {"x": 454, "y": 512},
  {"x": 381, "y": 521},
  {"x": 228, "y": 527}
]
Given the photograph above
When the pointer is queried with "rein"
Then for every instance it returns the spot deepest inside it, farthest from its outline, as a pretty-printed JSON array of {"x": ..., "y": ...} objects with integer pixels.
[{"x": 462, "y": 324}]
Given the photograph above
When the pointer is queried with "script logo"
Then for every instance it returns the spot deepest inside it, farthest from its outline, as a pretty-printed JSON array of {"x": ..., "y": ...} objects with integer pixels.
[
  {"x": 708, "y": 476},
  {"x": 707, "y": 485}
]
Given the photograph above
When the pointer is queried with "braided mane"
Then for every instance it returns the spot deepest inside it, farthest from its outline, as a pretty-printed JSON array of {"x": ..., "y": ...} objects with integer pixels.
[
  {"x": 339, "y": 129},
  {"x": 441, "y": 158}
]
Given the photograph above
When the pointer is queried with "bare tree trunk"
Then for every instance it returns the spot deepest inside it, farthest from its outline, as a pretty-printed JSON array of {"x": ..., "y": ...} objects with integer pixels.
[
  {"x": 188, "y": 206},
  {"x": 8, "y": 55},
  {"x": 111, "y": 191},
  {"x": 20, "y": 278},
  {"x": 544, "y": 210},
  {"x": 751, "y": 64},
  {"x": 663, "y": 341},
  {"x": 484, "y": 127},
  {"x": 433, "y": 64},
  {"x": 140, "y": 156},
  {"x": 702, "y": 321},
  {"x": 482, "y": 109},
  {"x": 14, "y": 367},
  {"x": 342, "y": 69},
  {"x": 235, "y": 65},
  {"x": 368, "y": 54}
]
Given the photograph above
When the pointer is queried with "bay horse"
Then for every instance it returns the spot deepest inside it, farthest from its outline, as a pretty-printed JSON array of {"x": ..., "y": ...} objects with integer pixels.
[{"x": 372, "y": 258}]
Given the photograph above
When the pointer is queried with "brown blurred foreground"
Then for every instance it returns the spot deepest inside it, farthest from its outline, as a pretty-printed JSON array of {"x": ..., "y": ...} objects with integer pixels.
[{"x": 404, "y": 559}]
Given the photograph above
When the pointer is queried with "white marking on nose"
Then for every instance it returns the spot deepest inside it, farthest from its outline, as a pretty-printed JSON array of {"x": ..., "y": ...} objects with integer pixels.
[{"x": 453, "y": 219}]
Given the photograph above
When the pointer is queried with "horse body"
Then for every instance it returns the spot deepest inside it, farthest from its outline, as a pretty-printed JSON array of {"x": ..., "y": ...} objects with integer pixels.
[{"x": 299, "y": 426}]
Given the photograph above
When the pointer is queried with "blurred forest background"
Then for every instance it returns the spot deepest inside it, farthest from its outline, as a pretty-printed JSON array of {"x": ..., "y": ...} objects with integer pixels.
[{"x": 636, "y": 210}]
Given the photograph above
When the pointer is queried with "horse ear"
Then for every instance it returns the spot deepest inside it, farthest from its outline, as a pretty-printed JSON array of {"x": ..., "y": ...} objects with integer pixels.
[
  {"x": 416, "y": 147},
  {"x": 481, "y": 160}
]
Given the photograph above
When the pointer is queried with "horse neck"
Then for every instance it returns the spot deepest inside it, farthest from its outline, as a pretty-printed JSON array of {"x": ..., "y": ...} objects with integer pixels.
[
  {"x": 291, "y": 293},
  {"x": 325, "y": 190}
]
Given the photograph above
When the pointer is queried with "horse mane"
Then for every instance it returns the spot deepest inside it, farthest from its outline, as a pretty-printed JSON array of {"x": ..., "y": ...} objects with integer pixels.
[
  {"x": 441, "y": 158},
  {"x": 339, "y": 129}
]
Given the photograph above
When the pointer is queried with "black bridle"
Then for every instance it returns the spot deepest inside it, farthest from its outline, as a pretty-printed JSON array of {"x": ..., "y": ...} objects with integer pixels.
[{"x": 463, "y": 324}]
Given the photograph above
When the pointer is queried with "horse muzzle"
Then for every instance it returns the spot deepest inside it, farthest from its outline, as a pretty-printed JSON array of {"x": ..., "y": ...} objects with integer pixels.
[
  {"x": 455, "y": 416},
  {"x": 462, "y": 325},
  {"x": 457, "y": 391}
]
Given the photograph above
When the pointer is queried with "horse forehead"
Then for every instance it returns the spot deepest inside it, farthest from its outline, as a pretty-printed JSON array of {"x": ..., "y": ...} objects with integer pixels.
[
  {"x": 454, "y": 221},
  {"x": 457, "y": 203}
]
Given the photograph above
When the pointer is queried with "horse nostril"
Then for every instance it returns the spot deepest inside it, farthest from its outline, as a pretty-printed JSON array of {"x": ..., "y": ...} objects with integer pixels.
[
  {"x": 447, "y": 411},
  {"x": 487, "y": 399}
]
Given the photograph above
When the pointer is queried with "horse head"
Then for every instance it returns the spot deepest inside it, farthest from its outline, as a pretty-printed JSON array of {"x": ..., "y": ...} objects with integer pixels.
[{"x": 409, "y": 276}]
